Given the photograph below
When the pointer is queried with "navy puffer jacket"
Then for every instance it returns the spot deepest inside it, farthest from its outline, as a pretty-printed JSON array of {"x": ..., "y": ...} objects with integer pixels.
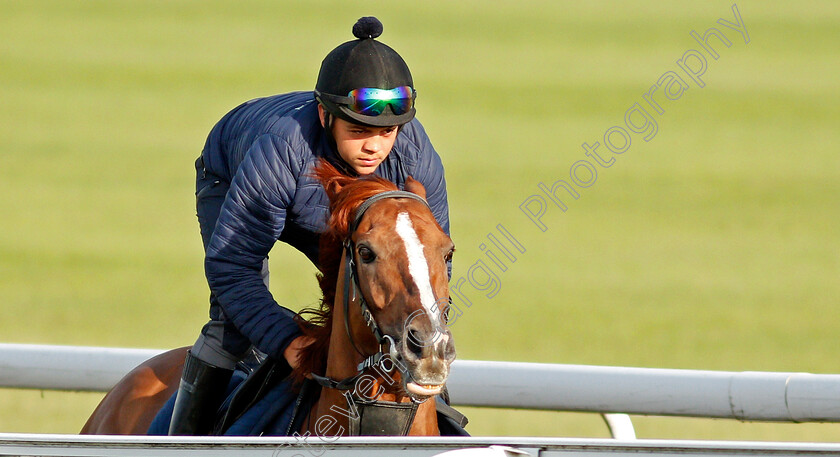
[{"x": 266, "y": 149}]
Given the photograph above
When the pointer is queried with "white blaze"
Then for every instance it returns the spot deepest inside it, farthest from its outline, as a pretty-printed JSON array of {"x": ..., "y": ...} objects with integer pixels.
[{"x": 417, "y": 266}]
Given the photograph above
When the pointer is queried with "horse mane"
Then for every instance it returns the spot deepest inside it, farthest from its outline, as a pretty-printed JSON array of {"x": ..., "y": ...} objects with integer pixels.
[{"x": 346, "y": 194}]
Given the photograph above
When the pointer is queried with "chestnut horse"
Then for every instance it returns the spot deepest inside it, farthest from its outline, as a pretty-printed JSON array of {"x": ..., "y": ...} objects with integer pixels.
[{"x": 385, "y": 292}]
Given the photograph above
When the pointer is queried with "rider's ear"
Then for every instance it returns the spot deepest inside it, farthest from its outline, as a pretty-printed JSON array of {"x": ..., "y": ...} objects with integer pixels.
[
  {"x": 322, "y": 115},
  {"x": 412, "y": 185}
]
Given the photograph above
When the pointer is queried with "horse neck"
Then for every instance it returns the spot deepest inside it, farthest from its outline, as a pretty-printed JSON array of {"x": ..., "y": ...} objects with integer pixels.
[{"x": 342, "y": 358}]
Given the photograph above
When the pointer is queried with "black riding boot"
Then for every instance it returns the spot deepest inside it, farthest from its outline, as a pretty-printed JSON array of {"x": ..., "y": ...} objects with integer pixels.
[{"x": 199, "y": 396}]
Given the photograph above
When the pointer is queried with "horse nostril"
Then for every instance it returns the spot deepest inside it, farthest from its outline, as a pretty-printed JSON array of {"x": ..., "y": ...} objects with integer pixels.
[
  {"x": 449, "y": 351},
  {"x": 414, "y": 343}
]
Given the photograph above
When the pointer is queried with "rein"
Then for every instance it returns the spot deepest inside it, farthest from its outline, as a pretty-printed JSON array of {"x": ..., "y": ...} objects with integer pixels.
[{"x": 375, "y": 417}]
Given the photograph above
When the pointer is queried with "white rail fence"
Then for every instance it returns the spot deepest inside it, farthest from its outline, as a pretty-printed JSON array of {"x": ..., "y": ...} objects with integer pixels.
[
  {"x": 750, "y": 396},
  {"x": 197, "y": 446}
]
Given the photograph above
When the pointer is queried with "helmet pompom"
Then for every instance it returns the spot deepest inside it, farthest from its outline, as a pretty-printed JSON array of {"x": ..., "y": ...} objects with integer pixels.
[{"x": 367, "y": 27}]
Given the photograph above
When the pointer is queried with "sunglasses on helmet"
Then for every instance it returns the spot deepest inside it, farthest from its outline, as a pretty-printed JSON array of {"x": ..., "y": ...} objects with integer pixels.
[{"x": 372, "y": 101}]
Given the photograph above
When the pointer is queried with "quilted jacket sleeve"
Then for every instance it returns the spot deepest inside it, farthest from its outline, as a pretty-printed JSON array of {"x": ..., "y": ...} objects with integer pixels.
[
  {"x": 429, "y": 171},
  {"x": 249, "y": 224}
]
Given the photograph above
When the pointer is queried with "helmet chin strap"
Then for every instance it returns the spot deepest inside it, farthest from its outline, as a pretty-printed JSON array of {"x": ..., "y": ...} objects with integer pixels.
[
  {"x": 339, "y": 161},
  {"x": 328, "y": 118}
]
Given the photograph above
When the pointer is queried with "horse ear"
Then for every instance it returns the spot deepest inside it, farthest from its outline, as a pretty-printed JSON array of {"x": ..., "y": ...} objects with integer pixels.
[
  {"x": 333, "y": 187},
  {"x": 330, "y": 178},
  {"x": 412, "y": 185}
]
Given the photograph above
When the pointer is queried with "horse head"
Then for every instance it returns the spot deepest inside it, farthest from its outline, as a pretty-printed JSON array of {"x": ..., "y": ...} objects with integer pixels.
[
  {"x": 384, "y": 261},
  {"x": 400, "y": 256}
]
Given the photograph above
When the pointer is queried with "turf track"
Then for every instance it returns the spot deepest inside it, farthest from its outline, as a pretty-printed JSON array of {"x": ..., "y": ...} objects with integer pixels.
[{"x": 714, "y": 245}]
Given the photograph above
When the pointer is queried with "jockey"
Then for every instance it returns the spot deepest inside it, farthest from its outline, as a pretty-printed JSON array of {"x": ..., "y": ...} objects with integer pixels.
[{"x": 253, "y": 188}]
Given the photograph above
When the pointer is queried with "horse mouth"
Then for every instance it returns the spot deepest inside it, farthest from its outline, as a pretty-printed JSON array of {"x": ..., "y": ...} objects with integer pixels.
[{"x": 423, "y": 390}]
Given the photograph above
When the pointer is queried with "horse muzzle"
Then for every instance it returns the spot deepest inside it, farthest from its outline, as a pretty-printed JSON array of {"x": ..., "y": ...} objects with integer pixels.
[{"x": 426, "y": 353}]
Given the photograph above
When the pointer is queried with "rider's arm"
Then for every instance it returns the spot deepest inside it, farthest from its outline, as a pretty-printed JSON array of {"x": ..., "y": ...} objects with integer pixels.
[
  {"x": 250, "y": 222},
  {"x": 429, "y": 171}
]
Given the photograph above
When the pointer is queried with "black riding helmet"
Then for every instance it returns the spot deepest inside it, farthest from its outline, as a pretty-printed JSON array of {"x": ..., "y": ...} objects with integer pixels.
[{"x": 364, "y": 64}]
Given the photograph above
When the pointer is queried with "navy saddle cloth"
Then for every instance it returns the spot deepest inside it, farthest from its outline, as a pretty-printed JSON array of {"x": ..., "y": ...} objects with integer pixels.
[{"x": 261, "y": 400}]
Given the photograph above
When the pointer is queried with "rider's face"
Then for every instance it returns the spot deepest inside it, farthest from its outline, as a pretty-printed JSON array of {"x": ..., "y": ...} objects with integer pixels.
[{"x": 362, "y": 147}]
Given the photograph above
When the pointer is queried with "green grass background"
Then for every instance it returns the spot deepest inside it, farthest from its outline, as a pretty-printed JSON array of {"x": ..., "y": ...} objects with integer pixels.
[{"x": 713, "y": 246}]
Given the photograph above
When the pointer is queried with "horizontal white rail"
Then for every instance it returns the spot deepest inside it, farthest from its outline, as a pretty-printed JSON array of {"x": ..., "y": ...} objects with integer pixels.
[
  {"x": 35, "y": 366},
  {"x": 171, "y": 446},
  {"x": 790, "y": 397},
  {"x": 760, "y": 396}
]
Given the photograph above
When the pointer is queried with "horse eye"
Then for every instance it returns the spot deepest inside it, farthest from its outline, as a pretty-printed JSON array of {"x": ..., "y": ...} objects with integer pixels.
[
  {"x": 449, "y": 255},
  {"x": 366, "y": 255}
]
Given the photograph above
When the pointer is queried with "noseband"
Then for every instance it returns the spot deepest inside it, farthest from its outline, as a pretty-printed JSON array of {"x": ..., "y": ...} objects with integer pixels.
[{"x": 374, "y": 417}]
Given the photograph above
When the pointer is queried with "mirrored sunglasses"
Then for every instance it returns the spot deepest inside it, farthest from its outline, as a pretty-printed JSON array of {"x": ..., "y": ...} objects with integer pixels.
[{"x": 372, "y": 101}]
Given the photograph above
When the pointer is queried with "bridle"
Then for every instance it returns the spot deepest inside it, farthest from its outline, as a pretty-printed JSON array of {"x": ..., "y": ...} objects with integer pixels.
[{"x": 384, "y": 417}]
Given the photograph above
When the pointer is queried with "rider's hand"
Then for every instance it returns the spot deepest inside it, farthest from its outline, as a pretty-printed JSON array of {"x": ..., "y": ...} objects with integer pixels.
[{"x": 292, "y": 351}]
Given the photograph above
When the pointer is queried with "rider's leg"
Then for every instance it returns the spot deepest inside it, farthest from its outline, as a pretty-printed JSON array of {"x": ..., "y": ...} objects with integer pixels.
[
  {"x": 210, "y": 362},
  {"x": 207, "y": 372}
]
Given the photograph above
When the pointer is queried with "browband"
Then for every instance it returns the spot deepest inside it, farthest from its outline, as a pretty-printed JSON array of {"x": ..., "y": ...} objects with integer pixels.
[{"x": 381, "y": 196}]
